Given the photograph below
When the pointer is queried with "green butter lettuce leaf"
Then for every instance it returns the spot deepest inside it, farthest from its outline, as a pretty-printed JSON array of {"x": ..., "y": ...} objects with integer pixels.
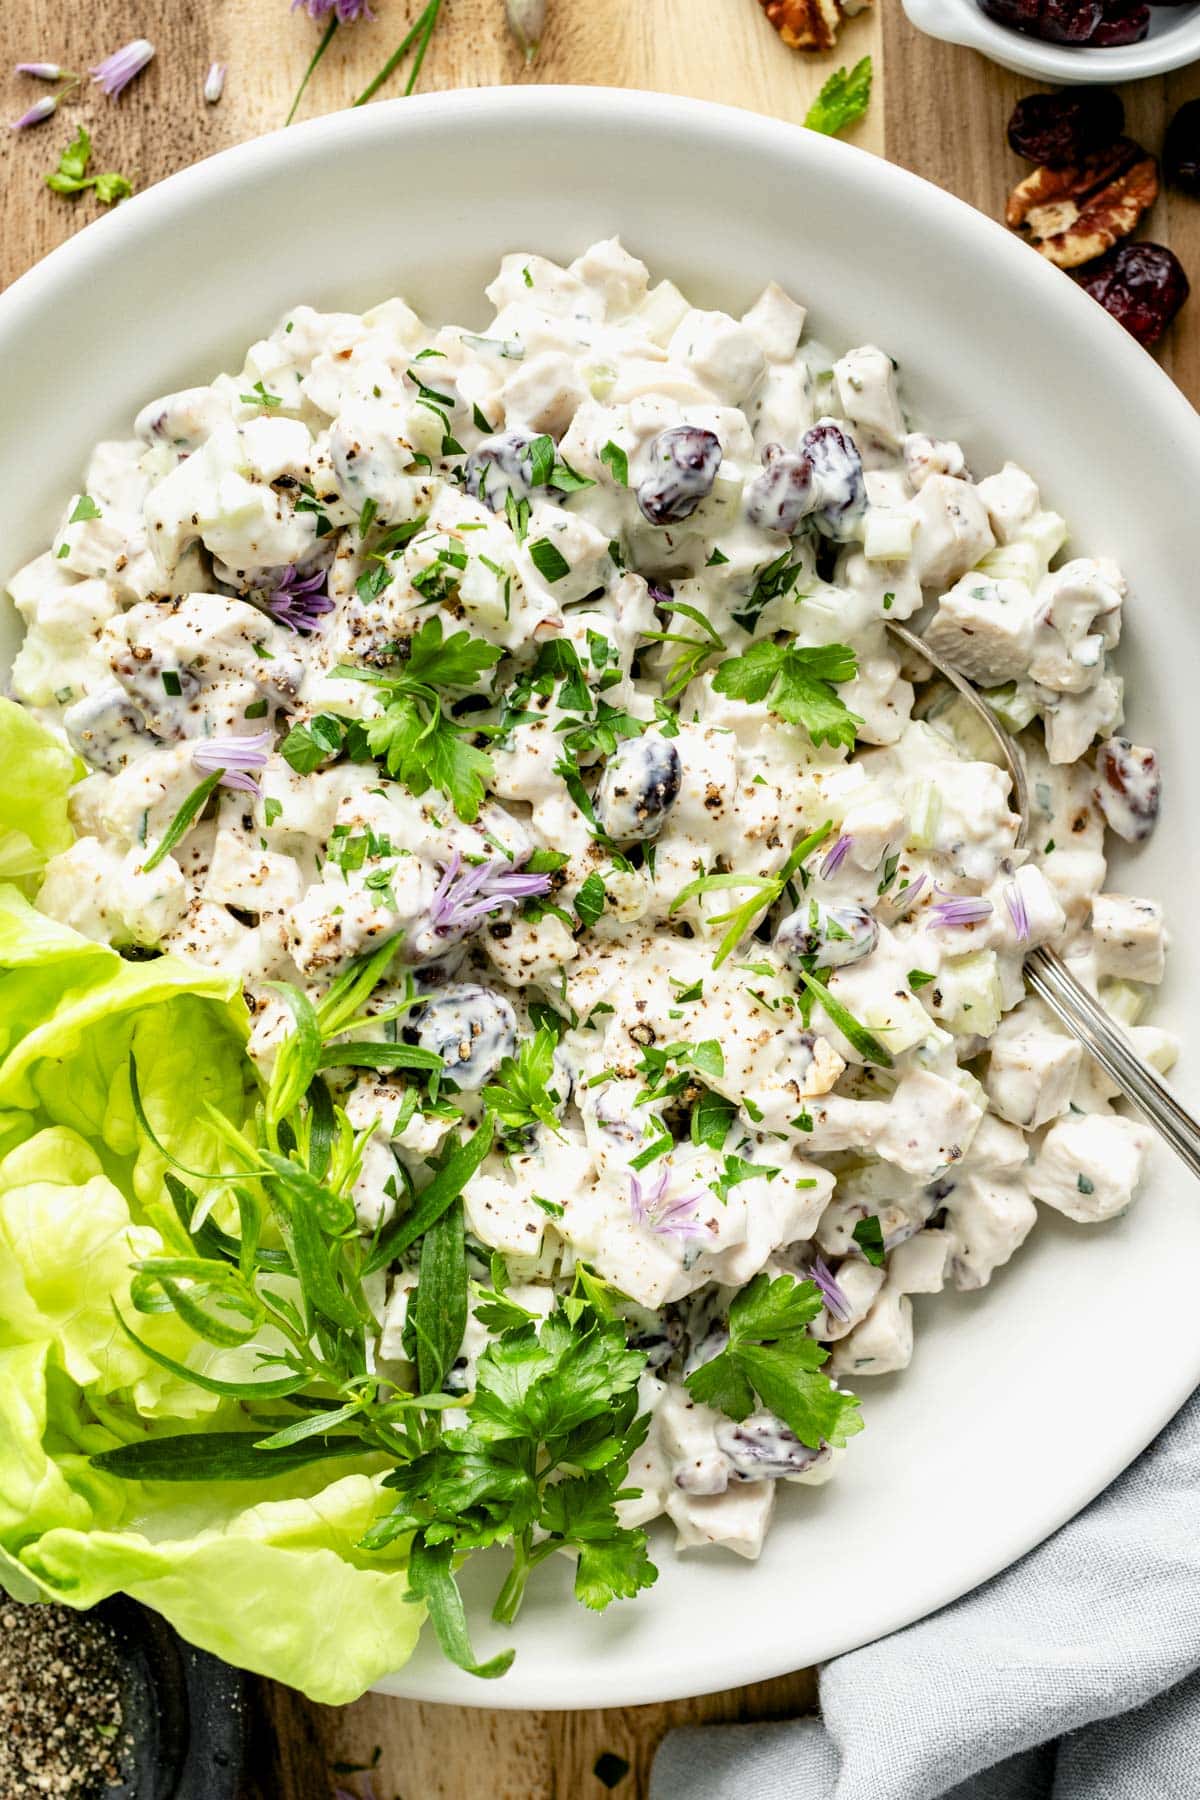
[
  {"x": 266, "y": 1574},
  {"x": 67, "y": 1000},
  {"x": 38, "y": 770},
  {"x": 277, "y": 1585}
]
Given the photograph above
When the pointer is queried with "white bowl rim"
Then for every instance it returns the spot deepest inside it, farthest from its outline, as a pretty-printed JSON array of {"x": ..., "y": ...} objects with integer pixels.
[
  {"x": 1063, "y": 305},
  {"x": 153, "y": 206},
  {"x": 962, "y": 22}
]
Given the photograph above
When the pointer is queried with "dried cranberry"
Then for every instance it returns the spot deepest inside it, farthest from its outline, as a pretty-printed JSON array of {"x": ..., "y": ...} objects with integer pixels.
[
  {"x": 1124, "y": 22},
  {"x": 837, "y": 475},
  {"x": 683, "y": 466},
  {"x": 782, "y": 496},
  {"x": 1057, "y": 130},
  {"x": 1128, "y": 788},
  {"x": 1058, "y": 21},
  {"x": 1142, "y": 285},
  {"x": 1181, "y": 152}
]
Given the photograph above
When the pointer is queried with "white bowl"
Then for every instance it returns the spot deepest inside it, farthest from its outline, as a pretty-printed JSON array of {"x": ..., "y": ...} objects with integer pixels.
[
  {"x": 1173, "y": 42},
  {"x": 1022, "y": 1401}
]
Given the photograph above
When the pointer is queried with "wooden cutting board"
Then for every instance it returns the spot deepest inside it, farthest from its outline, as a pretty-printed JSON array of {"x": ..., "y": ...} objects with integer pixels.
[{"x": 937, "y": 110}]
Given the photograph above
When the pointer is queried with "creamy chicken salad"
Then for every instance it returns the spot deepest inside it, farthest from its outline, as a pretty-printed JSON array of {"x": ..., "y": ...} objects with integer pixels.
[{"x": 535, "y": 684}]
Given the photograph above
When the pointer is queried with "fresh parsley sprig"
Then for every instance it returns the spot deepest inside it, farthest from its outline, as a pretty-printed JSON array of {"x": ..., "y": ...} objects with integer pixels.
[
  {"x": 772, "y": 1360},
  {"x": 797, "y": 682},
  {"x": 415, "y": 738},
  {"x": 546, "y": 1453}
]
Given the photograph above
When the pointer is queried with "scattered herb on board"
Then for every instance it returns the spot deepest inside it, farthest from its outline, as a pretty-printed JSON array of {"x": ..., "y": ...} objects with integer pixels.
[{"x": 842, "y": 101}]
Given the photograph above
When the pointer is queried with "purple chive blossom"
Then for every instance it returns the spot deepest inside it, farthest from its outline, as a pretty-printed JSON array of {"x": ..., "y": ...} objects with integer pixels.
[
  {"x": 1014, "y": 899},
  {"x": 903, "y": 899},
  {"x": 299, "y": 601},
  {"x": 348, "y": 11},
  {"x": 666, "y": 1218},
  {"x": 465, "y": 896},
  {"x": 957, "y": 909},
  {"x": 116, "y": 72},
  {"x": 836, "y": 855},
  {"x": 41, "y": 71},
  {"x": 40, "y": 111},
  {"x": 823, "y": 1278},
  {"x": 240, "y": 757},
  {"x": 214, "y": 83}
]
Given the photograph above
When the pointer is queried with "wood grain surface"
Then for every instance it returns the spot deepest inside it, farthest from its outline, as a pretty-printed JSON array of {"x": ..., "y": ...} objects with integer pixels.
[{"x": 938, "y": 110}]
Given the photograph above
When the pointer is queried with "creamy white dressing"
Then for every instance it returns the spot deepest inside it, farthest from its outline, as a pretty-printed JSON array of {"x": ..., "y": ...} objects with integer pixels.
[{"x": 718, "y": 479}]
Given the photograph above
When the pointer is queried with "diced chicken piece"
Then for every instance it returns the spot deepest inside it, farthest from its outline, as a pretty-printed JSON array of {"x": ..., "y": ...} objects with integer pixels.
[
  {"x": 952, "y": 530},
  {"x": 737, "y": 1520},
  {"x": 109, "y": 896},
  {"x": 1129, "y": 937},
  {"x": 985, "y": 628},
  {"x": 194, "y": 666},
  {"x": 925, "y": 456},
  {"x": 543, "y": 393},
  {"x": 1073, "y": 720},
  {"x": 184, "y": 420},
  {"x": 860, "y": 1283},
  {"x": 1078, "y": 619},
  {"x": 1075, "y": 876},
  {"x": 723, "y": 354},
  {"x": 573, "y": 541},
  {"x": 775, "y": 322},
  {"x": 611, "y": 272},
  {"x": 1089, "y": 1165},
  {"x": 988, "y": 1217},
  {"x": 883, "y": 1342},
  {"x": 1012, "y": 500},
  {"x": 1031, "y": 1071},
  {"x": 377, "y": 1189},
  {"x": 874, "y": 826},
  {"x": 918, "y": 1265},
  {"x": 1031, "y": 914},
  {"x": 866, "y": 388},
  {"x": 930, "y": 1123}
]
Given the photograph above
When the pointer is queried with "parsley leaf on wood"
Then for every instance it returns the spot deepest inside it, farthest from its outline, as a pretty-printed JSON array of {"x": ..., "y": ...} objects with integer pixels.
[
  {"x": 843, "y": 99},
  {"x": 797, "y": 682},
  {"x": 71, "y": 176},
  {"x": 771, "y": 1355}
]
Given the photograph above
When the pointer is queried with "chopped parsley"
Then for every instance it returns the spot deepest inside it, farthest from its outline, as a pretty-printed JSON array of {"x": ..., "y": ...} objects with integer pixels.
[
  {"x": 868, "y": 1235},
  {"x": 616, "y": 461},
  {"x": 548, "y": 560}
]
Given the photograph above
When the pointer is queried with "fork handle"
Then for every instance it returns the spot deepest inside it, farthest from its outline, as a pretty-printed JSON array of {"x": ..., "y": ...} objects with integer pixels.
[{"x": 1142, "y": 1086}]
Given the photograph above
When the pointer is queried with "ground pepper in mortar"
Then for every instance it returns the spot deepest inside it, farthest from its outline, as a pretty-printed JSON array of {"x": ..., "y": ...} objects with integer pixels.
[{"x": 60, "y": 1705}]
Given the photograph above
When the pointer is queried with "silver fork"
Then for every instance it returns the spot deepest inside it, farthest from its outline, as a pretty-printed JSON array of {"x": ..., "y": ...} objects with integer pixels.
[{"x": 1049, "y": 976}]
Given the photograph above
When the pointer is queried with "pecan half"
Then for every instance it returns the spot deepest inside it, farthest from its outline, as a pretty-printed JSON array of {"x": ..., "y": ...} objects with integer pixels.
[
  {"x": 810, "y": 24},
  {"x": 1075, "y": 214}
]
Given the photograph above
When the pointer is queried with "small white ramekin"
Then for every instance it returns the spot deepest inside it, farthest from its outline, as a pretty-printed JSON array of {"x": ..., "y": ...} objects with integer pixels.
[{"x": 1174, "y": 41}]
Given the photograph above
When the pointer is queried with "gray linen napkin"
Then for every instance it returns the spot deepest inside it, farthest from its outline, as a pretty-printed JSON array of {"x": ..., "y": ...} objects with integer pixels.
[{"x": 1074, "y": 1675}]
